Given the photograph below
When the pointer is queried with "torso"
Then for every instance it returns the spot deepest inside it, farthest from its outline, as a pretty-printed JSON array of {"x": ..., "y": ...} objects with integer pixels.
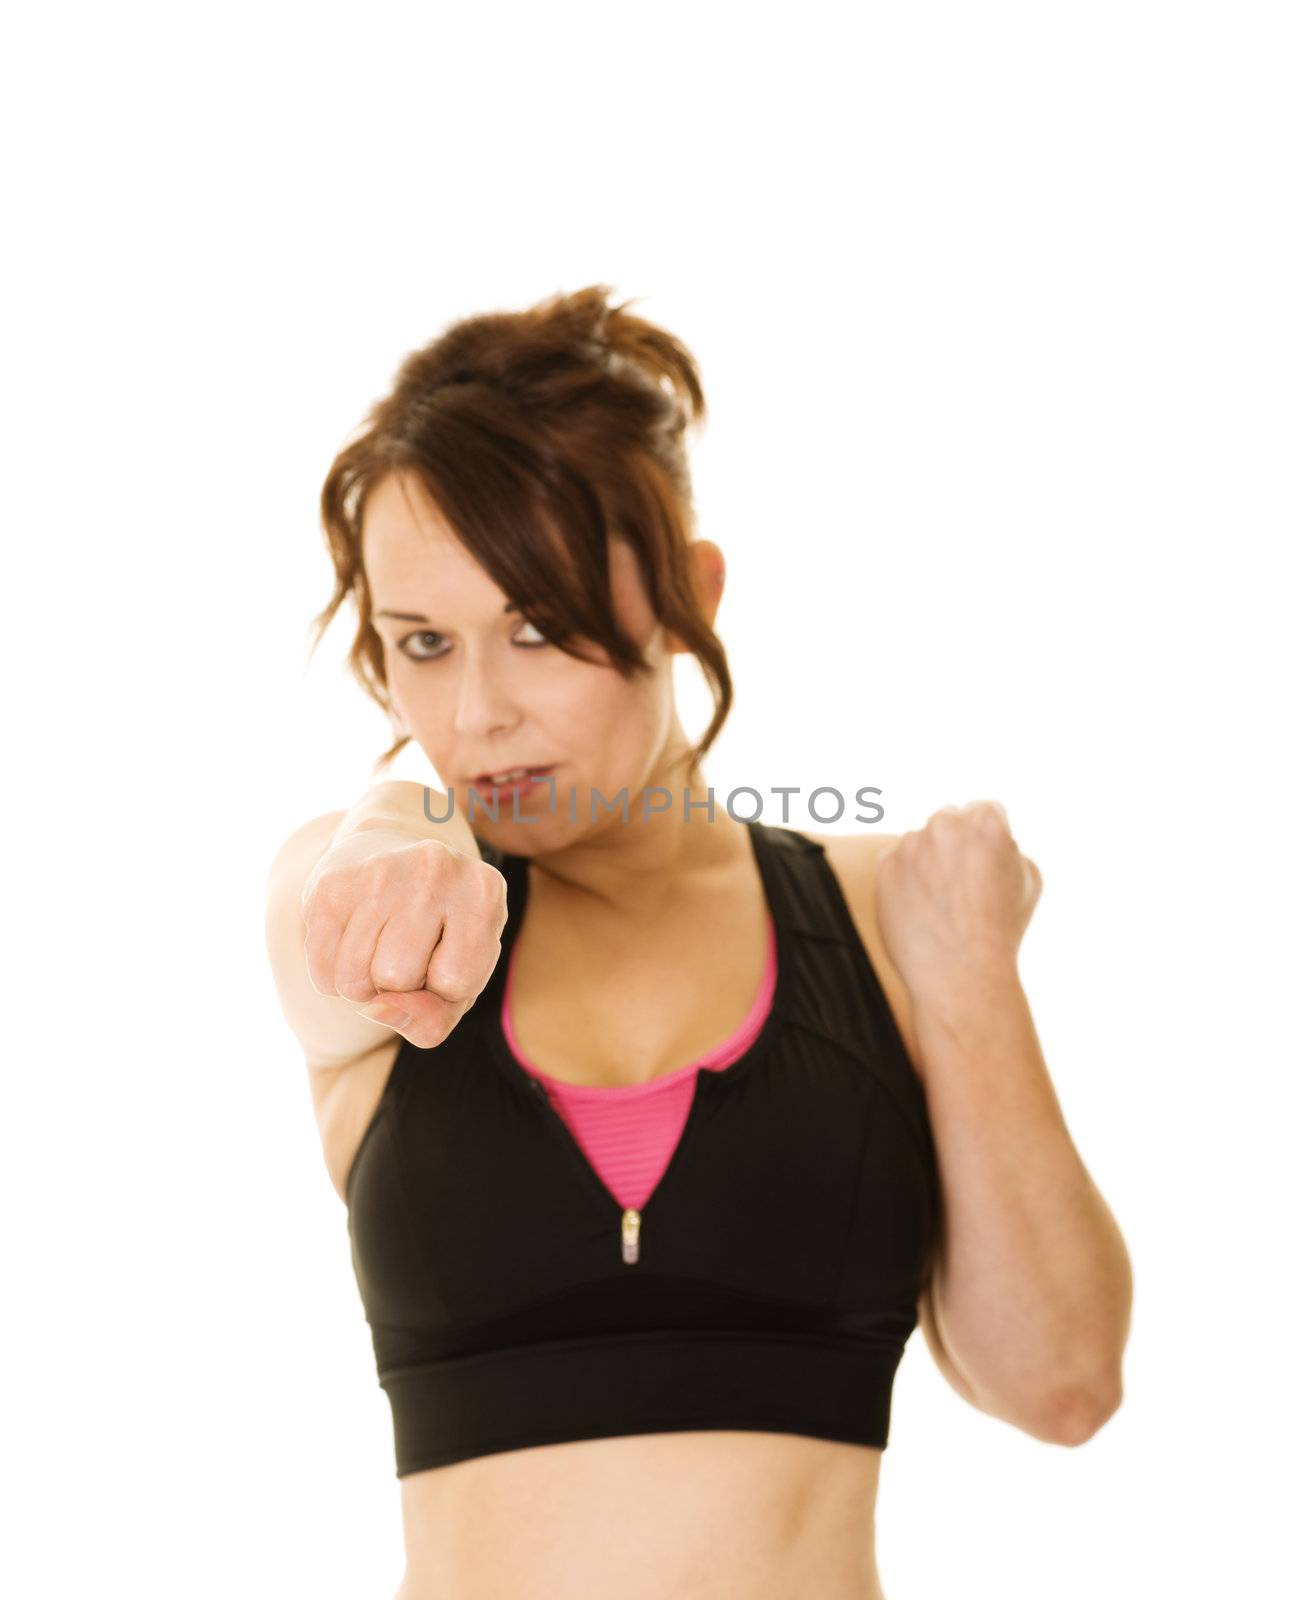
[{"x": 711, "y": 1515}]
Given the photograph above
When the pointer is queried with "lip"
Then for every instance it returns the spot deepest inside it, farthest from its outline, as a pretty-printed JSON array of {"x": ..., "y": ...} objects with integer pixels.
[
  {"x": 483, "y": 780},
  {"x": 513, "y": 793}
]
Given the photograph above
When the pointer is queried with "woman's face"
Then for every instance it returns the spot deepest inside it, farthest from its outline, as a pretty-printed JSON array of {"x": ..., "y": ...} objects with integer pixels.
[{"x": 480, "y": 691}]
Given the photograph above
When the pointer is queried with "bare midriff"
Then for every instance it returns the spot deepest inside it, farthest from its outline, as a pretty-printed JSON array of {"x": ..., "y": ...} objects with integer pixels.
[{"x": 735, "y": 1515}]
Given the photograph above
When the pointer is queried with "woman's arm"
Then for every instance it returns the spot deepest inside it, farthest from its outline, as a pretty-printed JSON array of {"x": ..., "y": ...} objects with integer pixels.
[
  {"x": 1031, "y": 1290},
  {"x": 330, "y": 1029},
  {"x": 410, "y": 808}
]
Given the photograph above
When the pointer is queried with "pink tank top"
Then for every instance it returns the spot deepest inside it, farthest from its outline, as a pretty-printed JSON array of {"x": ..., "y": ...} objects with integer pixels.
[{"x": 629, "y": 1131}]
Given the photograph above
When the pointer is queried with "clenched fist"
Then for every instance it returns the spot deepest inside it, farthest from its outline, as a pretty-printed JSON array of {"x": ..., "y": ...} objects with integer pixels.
[
  {"x": 409, "y": 930},
  {"x": 954, "y": 898}
]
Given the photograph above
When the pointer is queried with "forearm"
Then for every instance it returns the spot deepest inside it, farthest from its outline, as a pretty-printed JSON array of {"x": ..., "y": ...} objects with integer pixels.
[
  {"x": 412, "y": 809},
  {"x": 1033, "y": 1288}
]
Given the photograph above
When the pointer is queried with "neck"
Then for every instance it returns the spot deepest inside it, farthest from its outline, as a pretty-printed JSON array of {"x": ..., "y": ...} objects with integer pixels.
[{"x": 639, "y": 867}]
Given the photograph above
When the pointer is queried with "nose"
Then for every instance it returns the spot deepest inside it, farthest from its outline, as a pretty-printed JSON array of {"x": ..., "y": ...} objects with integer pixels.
[{"x": 483, "y": 705}]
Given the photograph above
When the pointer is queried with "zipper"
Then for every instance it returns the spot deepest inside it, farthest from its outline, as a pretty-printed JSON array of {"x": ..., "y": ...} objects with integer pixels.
[
  {"x": 630, "y": 1219},
  {"x": 631, "y": 1235}
]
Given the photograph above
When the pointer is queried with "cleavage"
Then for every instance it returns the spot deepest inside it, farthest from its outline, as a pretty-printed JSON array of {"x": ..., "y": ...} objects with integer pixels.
[{"x": 603, "y": 1019}]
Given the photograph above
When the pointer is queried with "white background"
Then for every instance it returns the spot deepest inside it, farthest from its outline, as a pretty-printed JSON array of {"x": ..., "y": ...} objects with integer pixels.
[{"x": 997, "y": 316}]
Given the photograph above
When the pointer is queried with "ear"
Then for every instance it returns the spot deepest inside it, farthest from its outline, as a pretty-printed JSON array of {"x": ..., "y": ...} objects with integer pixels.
[{"x": 709, "y": 576}]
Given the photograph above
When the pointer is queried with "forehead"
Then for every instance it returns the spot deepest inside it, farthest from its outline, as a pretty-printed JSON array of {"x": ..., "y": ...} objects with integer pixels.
[
  {"x": 409, "y": 549},
  {"x": 411, "y": 555},
  {"x": 400, "y": 515}
]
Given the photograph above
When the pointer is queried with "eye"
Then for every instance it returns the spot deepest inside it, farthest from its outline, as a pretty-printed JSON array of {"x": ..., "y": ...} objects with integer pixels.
[
  {"x": 404, "y": 646},
  {"x": 538, "y": 642},
  {"x": 429, "y": 639}
]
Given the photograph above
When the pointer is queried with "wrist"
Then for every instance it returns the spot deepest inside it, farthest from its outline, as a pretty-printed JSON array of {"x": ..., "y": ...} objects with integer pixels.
[
  {"x": 970, "y": 988},
  {"x": 406, "y": 809}
]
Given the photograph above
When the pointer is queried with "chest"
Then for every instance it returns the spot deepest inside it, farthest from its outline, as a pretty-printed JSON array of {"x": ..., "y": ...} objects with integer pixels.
[
  {"x": 798, "y": 1181},
  {"x": 778, "y": 1256},
  {"x": 624, "y": 1004}
]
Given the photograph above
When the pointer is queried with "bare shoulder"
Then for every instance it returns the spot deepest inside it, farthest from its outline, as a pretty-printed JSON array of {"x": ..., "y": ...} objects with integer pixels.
[{"x": 853, "y": 858}]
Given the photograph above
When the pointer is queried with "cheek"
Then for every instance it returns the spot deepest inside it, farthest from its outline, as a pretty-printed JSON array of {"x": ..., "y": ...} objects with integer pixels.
[
  {"x": 417, "y": 699},
  {"x": 630, "y": 719}
]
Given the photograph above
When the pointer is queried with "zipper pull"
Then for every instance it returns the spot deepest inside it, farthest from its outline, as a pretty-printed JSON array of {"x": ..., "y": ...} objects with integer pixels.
[{"x": 631, "y": 1235}]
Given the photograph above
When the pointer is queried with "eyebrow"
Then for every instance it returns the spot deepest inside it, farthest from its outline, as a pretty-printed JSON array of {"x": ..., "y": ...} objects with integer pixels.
[{"x": 414, "y": 616}]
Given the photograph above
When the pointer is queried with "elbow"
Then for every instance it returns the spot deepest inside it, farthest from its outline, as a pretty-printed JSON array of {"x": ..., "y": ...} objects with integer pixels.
[{"x": 1080, "y": 1410}]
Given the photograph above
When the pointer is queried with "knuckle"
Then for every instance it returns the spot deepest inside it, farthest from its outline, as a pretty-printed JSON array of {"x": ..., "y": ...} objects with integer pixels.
[
  {"x": 318, "y": 958},
  {"x": 360, "y": 989},
  {"x": 323, "y": 897},
  {"x": 432, "y": 858},
  {"x": 490, "y": 885},
  {"x": 457, "y": 983},
  {"x": 462, "y": 979}
]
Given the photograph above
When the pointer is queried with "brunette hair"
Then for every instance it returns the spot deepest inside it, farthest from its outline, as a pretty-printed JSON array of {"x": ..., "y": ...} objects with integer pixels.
[{"x": 538, "y": 434}]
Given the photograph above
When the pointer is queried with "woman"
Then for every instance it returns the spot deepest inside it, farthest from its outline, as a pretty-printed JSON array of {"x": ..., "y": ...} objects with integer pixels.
[{"x": 658, "y": 1130}]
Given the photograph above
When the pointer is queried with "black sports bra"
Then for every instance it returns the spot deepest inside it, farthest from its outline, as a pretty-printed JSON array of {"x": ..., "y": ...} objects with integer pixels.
[{"x": 776, "y": 1267}]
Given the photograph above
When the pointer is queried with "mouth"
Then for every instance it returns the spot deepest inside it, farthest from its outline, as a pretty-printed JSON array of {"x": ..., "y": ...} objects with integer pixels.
[{"x": 512, "y": 777}]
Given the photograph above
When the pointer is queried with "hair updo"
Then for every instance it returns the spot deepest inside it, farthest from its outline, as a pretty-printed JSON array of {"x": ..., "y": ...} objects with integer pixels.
[{"x": 538, "y": 435}]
